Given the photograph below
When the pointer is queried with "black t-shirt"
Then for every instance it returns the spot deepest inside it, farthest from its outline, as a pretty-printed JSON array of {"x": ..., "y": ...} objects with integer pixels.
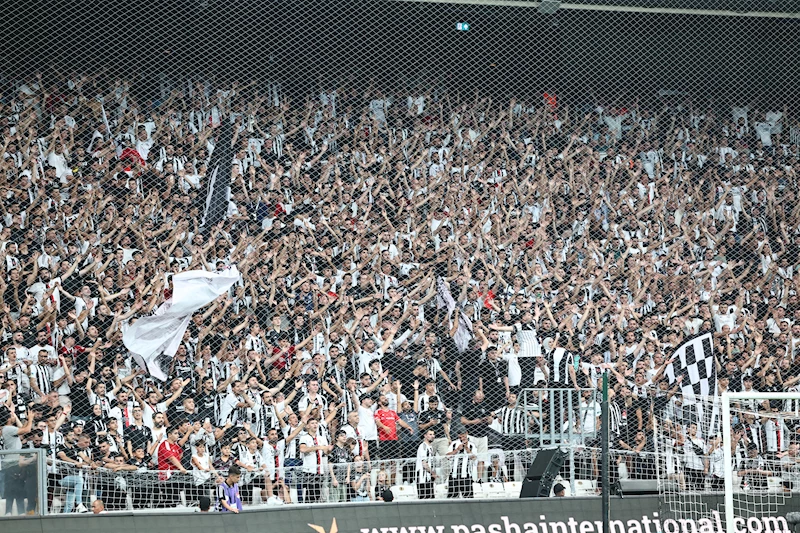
[
  {"x": 401, "y": 369},
  {"x": 474, "y": 411},
  {"x": 339, "y": 458},
  {"x": 493, "y": 374},
  {"x": 139, "y": 436},
  {"x": 70, "y": 451},
  {"x": 10, "y": 300},
  {"x": 427, "y": 416},
  {"x": 80, "y": 400},
  {"x": 141, "y": 464},
  {"x": 186, "y": 458},
  {"x": 206, "y": 404}
]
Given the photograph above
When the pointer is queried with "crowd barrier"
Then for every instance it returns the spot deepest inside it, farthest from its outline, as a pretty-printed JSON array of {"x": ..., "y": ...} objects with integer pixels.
[{"x": 500, "y": 476}]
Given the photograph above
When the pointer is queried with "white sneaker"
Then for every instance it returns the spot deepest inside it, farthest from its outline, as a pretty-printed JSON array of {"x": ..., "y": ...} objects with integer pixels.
[{"x": 81, "y": 508}]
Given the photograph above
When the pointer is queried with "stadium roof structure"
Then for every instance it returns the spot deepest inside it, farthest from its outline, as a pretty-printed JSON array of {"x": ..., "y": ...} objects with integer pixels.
[{"x": 734, "y": 8}]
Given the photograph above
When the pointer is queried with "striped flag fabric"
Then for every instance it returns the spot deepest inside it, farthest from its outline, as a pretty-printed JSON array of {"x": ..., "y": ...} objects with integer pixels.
[{"x": 220, "y": 169}]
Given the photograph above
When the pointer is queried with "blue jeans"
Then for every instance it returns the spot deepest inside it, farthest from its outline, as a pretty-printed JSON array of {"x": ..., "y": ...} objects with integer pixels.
[
  {"x": 294, "y": 478},
  {"x": 74, "y": 486}
]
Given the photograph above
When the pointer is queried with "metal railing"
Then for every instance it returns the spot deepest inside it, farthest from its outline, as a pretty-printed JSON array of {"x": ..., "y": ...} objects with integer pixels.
[
  {"x": 556, "y": 417},
  {"x": 502, "y": 473},
  {"x": 26, "y": 485}
]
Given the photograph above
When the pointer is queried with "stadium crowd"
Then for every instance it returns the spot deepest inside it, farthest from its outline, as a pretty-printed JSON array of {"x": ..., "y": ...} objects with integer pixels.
[{"x": 571, "y": 241}]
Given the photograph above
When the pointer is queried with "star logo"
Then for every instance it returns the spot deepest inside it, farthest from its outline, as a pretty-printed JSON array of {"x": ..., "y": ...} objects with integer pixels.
[{"x": 320, "y": 529}]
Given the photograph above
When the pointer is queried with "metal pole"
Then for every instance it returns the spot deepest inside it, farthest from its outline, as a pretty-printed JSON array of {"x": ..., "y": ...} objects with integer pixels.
[
  {"x": 41, "y": 477},
  {"x": 727, "y": 454},
  {"x": 605, "y": 459}
]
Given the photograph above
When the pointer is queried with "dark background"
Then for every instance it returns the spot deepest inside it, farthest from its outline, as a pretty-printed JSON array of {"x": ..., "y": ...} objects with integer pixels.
[{"x": 509, "y": 51}]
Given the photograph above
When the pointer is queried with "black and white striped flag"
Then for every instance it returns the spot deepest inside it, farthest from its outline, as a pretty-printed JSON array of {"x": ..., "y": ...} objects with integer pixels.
[{"x": 220, "y": 170}]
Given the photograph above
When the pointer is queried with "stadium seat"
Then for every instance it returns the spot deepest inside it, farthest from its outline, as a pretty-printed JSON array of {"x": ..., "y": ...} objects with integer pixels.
[
  {"x": 512, "y": 489},
  {"x": 774, "y": 484},
  {"x": 585, "y": 487},
  {"x": 404, "y": 492},
  {"x": 494, "y": 490},
  {"x": 477, "y": 490},
  {"x": 440, "y": 490}
]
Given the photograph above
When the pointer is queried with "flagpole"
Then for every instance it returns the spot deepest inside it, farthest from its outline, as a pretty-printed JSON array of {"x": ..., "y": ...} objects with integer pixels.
[{"x": 604, "y": 464}]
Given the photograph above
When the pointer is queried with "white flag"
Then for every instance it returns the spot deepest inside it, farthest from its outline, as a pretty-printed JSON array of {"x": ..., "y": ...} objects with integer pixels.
[
  {"x": 444, "y": 299},
  {"x": 153, "y": 340}
]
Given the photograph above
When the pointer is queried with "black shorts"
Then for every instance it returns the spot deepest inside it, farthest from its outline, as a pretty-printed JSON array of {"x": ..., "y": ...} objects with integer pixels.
[
  {"x": 462, "y": 486},
  {"x": 425, "y": 490},
  {"x": 389, "y": 449}
]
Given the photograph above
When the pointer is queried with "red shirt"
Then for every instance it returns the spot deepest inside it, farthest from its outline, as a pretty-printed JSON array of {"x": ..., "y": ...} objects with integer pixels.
[
  {"x": 285, "y": 359},
  {"x": 165, "y": 466},
  {"x": 73, "y": 353},
  {"x": 388, "y": 418}
]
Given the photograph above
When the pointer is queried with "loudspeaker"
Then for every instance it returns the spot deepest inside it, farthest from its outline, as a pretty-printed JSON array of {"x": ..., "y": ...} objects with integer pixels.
[
  {"x": 541, "y": 474},
  {"x": 640, "y": 486},
  {"x": 548, "y": 7}
]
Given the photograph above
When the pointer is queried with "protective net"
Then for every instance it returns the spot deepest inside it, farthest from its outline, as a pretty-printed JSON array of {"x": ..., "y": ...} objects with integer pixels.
[
  {"x": 310, "y": 234},
  {"x": 690, "y": 451},
  {"x": 764, "y": 442}
]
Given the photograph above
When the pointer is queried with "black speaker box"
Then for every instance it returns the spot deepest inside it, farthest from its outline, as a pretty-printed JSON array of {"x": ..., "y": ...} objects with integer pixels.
[{"x": 541, "y": 474}]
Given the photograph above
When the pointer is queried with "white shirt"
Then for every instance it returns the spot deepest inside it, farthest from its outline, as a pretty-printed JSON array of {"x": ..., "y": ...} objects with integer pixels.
[
  {"x": 693, "y": 460},
  {"x": 366, "y": 424},
  {"x": 273, "y": 457},
  {"x": 394, "y": 402},
  {"x": 589, "y": 413},
  {"x": 228, "y": 408},
  {"x": 314, "y": 462},
  {"x": 39, "y": 288}
]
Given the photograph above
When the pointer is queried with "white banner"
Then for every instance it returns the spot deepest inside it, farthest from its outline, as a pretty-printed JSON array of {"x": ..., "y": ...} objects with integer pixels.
[{"x": 153, "y": 340}]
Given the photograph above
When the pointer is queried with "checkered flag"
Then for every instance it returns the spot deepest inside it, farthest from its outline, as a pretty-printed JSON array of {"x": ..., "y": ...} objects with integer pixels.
[{"x": 694, "y": 362}]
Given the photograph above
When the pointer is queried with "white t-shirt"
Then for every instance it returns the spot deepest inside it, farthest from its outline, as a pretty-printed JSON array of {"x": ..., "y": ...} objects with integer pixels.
[
  {"x": 39, "y": 288},
  {"x": 394, "y": 402},
  {"x": 366, "y": 424},
  {"x": 589, "y": 413},
  {"x": 314, "y": 462},
  {"x": 148, "y": 412},
  {"x": 305, "y": 401}
]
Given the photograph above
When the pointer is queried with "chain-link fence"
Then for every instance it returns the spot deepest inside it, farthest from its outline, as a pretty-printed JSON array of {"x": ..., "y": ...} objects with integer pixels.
[{"x": 444, "y": 218}]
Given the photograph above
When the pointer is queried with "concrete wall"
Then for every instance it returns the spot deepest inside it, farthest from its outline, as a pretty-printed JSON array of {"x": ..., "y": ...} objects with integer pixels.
[{"x": 635, "y": 514}]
